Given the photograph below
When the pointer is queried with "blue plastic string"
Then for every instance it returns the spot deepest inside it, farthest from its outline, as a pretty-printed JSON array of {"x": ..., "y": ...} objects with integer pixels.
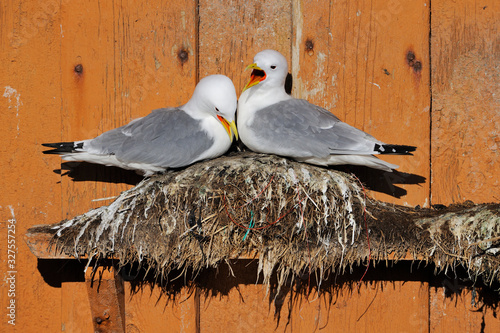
[{"x": 250, "y": 225}]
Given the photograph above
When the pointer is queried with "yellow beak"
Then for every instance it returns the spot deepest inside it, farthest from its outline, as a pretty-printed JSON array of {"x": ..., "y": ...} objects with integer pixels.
[
  {"x": 230, "y": 127},
  {"x": 257, "y": 76}
]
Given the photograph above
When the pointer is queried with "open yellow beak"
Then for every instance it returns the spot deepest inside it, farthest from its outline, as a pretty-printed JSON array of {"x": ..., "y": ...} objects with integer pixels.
[
  {"x": 230, "y": 127},
  {"x": 257, "y": 76}
]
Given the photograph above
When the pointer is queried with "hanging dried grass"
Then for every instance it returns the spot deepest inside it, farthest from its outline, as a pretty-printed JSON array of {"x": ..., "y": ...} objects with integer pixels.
[{"x": 294, "y": 218}]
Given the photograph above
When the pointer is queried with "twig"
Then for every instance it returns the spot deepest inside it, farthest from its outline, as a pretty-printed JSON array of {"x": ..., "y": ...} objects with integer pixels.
[
  {"x": 265, "y": 187},
  {"x": 484, "y": 241},
  {"x": 102, "y": 199},
  {"x": 367, "y": 234},
  {"x": 449, "y": 254}
]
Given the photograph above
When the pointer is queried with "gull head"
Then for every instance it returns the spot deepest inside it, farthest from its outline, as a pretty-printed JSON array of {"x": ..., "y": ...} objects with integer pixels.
[
  {"x": 216, "y": 95},
  {"x": 269, "y": 70}
]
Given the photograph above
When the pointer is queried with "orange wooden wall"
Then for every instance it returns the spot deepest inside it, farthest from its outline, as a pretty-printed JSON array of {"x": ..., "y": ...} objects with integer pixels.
[{"x": 408, "y": 72}]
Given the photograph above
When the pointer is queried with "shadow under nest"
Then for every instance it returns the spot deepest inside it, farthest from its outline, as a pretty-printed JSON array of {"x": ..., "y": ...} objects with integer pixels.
[{"x": 293, "y": 220}]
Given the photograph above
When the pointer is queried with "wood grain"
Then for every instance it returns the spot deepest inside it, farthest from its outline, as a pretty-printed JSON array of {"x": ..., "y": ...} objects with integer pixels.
[
  {"x": 350, "y": 57},
  {"x": 117, "y": 66},
  {"x": 29, "y": 111},
  {"x": 127, "y": 70},
  {"x": 459, "y": 310},
  {"x": 76, "y": 315},
  {"x": 370, "y": 308},
  {"x": 465, "y": 117},
  {"x": 149, "y": 311},
  {"x": 242, "y": 306},
  {"x": 232, "y": 32}
]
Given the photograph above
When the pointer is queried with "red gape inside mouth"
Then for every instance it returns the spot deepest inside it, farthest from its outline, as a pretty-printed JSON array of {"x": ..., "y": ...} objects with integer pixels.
[{"x": 258, "y": 75}]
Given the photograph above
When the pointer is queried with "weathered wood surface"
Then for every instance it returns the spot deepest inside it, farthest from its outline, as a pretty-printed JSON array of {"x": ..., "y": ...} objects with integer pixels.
[
  {"x": 107, "y": 299},
  {"x": 30, "y": 109},
  {"x": 341, "y": 61},
  {"x": 133, "y": 56},
  {"x": 466, "y": 105}
]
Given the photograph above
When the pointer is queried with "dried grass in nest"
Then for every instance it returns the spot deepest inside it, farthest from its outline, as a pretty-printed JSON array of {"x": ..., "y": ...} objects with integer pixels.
[
  {"x": 296, "y": 218},
  {"x": 302, "y": 217}
]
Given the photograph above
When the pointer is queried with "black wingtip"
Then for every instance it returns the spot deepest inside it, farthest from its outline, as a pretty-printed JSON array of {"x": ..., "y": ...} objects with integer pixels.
[
  {"x": 62, "y": 147},
  {"x": 52, "y": 152},
  {"x": 394, "y": 149}
]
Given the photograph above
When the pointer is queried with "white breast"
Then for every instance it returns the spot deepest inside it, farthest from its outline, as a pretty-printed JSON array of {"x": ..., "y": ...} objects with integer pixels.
[
  {"x": 249, "y": 103},
  {"x": 218, "y": 133}
]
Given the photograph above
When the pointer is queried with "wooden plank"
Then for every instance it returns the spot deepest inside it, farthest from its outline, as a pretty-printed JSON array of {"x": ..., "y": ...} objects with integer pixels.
[
  {"x": 119, "y": 62},
  {"x": 29, "y": 112},
  {"x": 132, "y": 57},
  {"x": 352, "y": 58},
  {"x": 466, "y": 76},
  {"x": 457, "y": 312},
  {"x": 89, "y": 74},
  {"x": 75, "y": 308},
  {"x": 40, "y": 245},
  {"x": 245, "y": 308},
  {"x": 148, "y": 309},
  {"x": 234, "y": 301},
  {"x": 232, "y": 32},
  {"x": 107, "y": 299},
  {"x": 374, "y": 307}
]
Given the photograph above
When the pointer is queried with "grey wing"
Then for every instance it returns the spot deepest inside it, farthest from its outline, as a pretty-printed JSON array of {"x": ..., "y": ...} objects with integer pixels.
[
  {"x": 300, "y": 129},
  {"x": 166, "y": 137}
]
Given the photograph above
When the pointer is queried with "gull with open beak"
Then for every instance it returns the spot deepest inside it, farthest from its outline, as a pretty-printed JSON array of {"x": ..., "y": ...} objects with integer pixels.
[
  {"x": 273, "y": 122},
  {"x": 201, "y": 129}
]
